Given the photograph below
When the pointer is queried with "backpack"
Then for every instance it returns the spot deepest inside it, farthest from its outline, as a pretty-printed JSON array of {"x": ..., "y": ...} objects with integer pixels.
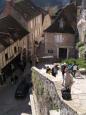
[{"x": 66, "y": 94}]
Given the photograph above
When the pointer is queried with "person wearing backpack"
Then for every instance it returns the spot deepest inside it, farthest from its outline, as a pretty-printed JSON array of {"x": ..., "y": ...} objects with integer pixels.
[{"x": 68, "y": 82}]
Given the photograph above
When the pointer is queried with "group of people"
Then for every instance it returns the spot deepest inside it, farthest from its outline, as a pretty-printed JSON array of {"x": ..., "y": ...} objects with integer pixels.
[
  {"x": 68, "y": 72},
  {"x": 53, "y": 71}
]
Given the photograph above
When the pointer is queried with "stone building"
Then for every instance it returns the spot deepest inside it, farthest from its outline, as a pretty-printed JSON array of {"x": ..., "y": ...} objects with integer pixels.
[
  {"x": 82, "y": 22},
  {"x": 28, "y": 15},
  {"x": 13, "y": 42},
  {"x": 60, "y": 36},
  {"x": 31, "y": 17}
]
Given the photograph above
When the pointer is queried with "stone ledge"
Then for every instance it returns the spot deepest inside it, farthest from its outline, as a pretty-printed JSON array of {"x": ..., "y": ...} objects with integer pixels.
[{"x": 72, "y": 107}]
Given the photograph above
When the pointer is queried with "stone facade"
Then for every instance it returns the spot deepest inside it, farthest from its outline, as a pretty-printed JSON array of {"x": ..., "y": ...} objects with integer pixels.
[
  {"x": 82, "y": 26},
  {"x": 13, "y": 42},
  {"x": 33, "y": 24},
  {"x": 46, "y": 22},
  {"x": 60, "y": 37},
  {"x": 55, "y": 41},
  {"x": 19, "y": 45}
]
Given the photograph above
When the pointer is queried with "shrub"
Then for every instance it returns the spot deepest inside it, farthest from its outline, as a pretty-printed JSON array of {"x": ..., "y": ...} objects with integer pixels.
[
  {"x": 69, "y": 61},
  {"x": 79, "y": 44},
  {"x": 80, "y": 62}
]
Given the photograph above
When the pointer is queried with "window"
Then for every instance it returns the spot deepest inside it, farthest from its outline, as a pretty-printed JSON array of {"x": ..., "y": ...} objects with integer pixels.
[
  {"x": 6, "y": 56},
  {"x": 59, "y": 38},
  {"x": 50, "y": 51},
  {"x": 15, "y": 49}
]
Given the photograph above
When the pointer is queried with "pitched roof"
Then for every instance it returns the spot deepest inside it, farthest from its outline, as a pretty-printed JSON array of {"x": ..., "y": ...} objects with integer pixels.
[
  {"x": 10, "y": 31},
  {"x": 43, "y": 12},
  {"x": 68, "y": 16},
  {"x": 27, "y": 9}
]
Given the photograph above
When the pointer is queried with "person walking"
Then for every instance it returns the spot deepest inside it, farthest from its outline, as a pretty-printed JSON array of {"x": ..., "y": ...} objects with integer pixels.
[
  {"x": 75, "y": 68},
  {"x": 63, "y": 67},
  {"x": 68, "y": 79}
]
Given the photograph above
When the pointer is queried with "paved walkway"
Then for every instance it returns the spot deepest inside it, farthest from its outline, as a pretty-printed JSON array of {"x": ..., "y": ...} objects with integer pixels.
[
  {"x": 8, "y": 104},
  {"x": 78, "y": 102}
]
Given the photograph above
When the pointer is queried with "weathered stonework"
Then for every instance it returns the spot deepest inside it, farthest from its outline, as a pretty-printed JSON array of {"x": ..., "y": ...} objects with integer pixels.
[
  {"x": 48, "y": 95},
  {"x": 44, "y": 91}
]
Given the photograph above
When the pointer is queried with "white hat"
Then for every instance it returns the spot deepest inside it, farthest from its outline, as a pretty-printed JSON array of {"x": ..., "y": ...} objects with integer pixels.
[{"x": 65, "y": 64}]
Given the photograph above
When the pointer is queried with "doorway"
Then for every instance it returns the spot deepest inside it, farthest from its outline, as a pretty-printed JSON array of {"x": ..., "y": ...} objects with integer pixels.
[{"x": 62, "y": 53}]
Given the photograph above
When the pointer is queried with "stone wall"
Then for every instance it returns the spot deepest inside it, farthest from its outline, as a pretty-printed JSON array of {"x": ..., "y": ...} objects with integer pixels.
[
  {"x": 55, "y": 41},
  {"x": 47, "y": 94}
]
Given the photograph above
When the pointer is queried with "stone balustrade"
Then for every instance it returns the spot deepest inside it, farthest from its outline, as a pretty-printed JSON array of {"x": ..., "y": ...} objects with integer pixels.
[{"x": 48, "y": 92}]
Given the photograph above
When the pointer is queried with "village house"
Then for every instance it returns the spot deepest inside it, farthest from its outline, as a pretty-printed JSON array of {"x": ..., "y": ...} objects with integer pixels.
[
  {"x": 32, "y": 18},
  {"x": 60, "y": 37},
  {"x": 13, "y": 43},
  {"x": 81, "y": 24}
]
